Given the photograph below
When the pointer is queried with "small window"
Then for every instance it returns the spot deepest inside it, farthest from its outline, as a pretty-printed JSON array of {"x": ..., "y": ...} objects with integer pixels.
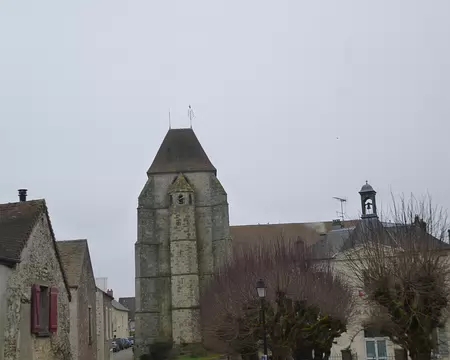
[
  {"x": 90, "y": 324},
  {"x": 190, "y": 199},
  {"x": 44, "y": 313},
  {"x": 181, "y": 199}
]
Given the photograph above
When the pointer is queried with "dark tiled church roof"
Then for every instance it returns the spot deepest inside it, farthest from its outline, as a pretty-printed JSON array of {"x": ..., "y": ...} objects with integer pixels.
[
  {"x": 17, "y": 220},
  {"x": 308, "y": 233},
  {"x": 180, "y": 151},
  {"x": 72, "y": 255}
]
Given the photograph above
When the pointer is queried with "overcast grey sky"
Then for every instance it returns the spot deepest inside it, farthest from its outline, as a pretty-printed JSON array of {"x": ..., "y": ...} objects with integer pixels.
[{"x": 295, "y": 101}]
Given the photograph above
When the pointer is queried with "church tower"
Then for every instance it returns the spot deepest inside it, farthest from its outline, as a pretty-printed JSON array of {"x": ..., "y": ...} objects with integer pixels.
[
  {"x": 183, "y": 238},
  {"x": 368, "y": 202}
]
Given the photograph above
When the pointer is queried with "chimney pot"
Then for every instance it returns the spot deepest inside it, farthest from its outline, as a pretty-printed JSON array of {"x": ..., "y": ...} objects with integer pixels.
[{"x": 23, "y": 194}]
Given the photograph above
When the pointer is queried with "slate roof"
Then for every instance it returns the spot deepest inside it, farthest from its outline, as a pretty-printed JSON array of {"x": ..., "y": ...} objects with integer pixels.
[
  {"x": 389, "y": 234},
  {"x": 118, "y": 306},
  {"x": 308, "y": 233},
  {"x": 17, "y": 221},
  {"x": 130, "y": 303},
  {"x": 181, "y": 151},
  {"x": 72, "y": 254}
]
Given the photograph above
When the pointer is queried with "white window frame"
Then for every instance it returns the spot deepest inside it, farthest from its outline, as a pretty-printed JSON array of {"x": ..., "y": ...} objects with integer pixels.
[{"x": 375, "y": 340}]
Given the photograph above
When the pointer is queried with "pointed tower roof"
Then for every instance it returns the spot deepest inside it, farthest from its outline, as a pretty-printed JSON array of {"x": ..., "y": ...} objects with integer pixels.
[
  {"x": 180, "y": 185},
  {"x": 179, "y": 152}
]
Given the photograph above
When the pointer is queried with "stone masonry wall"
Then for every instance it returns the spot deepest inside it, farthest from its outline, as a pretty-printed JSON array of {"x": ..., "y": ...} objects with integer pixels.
[
  {"x": 152, "y": 249},
  {"x": 39, "y": 265},
  {"x": 100, "y": 325},
  {"x": 87, "y": 348},
  {"x": 184, "y": 273}
]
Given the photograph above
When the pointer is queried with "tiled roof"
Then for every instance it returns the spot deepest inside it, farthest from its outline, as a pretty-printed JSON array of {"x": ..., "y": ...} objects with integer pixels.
[
  {"x": 308, "y": 233},
  {"x": 180, "y": 151},
  {"x": 17, "y": 220},
  {"x": 72, "y": 254},
  {"x": 119, "y": 306}
]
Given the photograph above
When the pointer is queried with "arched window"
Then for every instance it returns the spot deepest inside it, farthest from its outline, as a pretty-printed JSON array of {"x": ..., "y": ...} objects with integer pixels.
[{"x": 181, "y": 199}]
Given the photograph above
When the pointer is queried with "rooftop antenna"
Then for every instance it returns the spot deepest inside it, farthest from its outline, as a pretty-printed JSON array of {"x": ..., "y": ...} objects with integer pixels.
[
  {"x": 342, "y": 201},
  {"x": 191, "y": 115},
  {"x": 170, "y": 122}
]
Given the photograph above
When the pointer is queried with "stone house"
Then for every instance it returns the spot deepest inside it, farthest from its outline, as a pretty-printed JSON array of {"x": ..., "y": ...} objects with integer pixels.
[
  {"x": 76, "y": 261},
  {"x": 130, "y": 304},
  {"x": 34, "y": 292},
  {"x": 120, "y": 320},
  {"x": 104, "y": 325}
]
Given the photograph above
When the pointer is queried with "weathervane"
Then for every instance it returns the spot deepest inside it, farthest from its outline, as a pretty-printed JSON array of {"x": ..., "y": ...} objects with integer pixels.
[
  {"x": 190, "y": 115},
  {"x": 170, "y": 122}
]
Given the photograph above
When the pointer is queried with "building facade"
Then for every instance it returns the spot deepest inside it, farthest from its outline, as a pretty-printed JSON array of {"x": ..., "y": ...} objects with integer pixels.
[
  {"x": 104, "y": 325},
  {"x": 130, "y": 304},
  {"x": 120, "y": 320},
  {"x": 34, "y": 292},
  {"x": 183, "y": 238},
  {"x": 76, "y": 261}
]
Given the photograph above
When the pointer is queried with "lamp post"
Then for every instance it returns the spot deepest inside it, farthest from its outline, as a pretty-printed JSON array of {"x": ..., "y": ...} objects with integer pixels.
[{"x": 261, "y": 289}]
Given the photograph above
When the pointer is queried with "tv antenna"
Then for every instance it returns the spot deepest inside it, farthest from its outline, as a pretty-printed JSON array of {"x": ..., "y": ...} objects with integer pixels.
[{"x": 342, "y": 201}]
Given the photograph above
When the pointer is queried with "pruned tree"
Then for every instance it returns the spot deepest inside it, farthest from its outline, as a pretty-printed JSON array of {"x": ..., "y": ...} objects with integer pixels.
[
  {"x": 307, "y": 305},
  {"x": 403, "y": 267}
]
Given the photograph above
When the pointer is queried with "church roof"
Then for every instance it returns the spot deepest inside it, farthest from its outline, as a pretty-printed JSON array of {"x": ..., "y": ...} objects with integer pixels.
[
  {"x": 308, "y": 233},
  {"x": 180, "y": 185},
  {"x": 72, "y": 254},
  {"x": 181, "y": 151}
]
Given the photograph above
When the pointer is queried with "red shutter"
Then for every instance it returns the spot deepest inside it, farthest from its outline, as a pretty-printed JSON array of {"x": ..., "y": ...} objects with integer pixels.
[
  {"x": 53, "y": 323},
  {"x": 35, "y": 308}
]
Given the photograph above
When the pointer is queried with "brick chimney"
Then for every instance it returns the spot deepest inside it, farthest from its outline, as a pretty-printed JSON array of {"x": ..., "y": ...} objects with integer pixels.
[
  {"x": 110, "y": 292},
  {"x": 22, "y": 194}
]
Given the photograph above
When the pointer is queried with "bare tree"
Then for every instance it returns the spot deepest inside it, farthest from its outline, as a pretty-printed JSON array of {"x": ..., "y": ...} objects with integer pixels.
[
  {"x": 307, "y": 304},
  {"x": 403, "y": 268}
]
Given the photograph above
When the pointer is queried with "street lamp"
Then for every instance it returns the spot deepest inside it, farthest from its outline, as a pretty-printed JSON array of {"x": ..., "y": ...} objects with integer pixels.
[{"x": 261, "y": 290}]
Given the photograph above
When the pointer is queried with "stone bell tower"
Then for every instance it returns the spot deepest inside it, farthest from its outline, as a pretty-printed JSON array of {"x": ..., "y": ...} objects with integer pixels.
[{"x": 183, "y": 238}]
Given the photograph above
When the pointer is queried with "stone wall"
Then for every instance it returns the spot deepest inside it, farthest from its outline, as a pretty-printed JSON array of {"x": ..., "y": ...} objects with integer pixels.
[
  {"x": 152, "y": 249},
  {"x": 39, "y": 265},
  {"x": 103, "y": 341},
  {"x": 87, "y": 348},
  {"x": 5, "y": 273},
  {"x": 73, "y": 306}
]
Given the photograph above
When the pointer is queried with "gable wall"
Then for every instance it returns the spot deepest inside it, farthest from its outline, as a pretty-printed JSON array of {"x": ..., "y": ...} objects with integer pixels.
[
  {"x": 86, "y": 298},
  {"x": 38, "y": 264}
]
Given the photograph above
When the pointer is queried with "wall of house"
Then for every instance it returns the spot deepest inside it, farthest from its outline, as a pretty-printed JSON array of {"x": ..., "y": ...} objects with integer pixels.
[
  {"x": 73, "y": 306},
  {"x": 87, "y": 347},
  {"x": 104, "y": 331},
  {"x": 39, "y": 265},
  {"x": 107, "y": 308},
  {"x": 120, "y": 323},
  {"x": 5, "y": 272}
]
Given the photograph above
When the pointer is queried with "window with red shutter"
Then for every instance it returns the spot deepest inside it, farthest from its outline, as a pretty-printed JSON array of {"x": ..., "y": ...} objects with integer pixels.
[
  {"x": 35, "y": 309},
  {"x": 53, "y": 321}
]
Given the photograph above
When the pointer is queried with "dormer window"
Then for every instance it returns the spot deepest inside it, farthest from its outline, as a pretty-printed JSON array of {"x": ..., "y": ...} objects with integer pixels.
[{"x": 181, "y": 199}]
